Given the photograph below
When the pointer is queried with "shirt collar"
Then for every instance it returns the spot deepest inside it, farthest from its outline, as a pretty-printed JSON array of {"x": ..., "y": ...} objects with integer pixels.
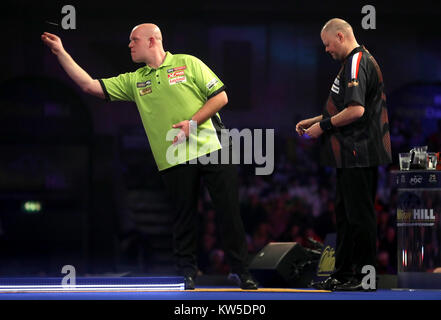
[
  {"x": 167, "y": 62},
  {"x": 355, "y": 50}
]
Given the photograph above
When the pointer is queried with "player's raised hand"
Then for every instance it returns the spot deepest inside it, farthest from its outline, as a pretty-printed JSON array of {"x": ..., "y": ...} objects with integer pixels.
[{"x": 53, "y": 42}]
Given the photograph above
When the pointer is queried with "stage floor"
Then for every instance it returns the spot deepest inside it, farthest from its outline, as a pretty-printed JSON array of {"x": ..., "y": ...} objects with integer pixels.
[
  {"x": 168, "y": 298},
  {"x": 172, "y": 288},
  {"x": 227, "y": 294}
]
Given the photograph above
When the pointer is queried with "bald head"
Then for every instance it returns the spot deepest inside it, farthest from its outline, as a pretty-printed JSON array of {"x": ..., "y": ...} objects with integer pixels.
[
  {"x": 336, "y": 25},
  {"x": 146, "y": 44},
  {"x": 149, "y": 30},
  {"x": 338, "y": 37}
]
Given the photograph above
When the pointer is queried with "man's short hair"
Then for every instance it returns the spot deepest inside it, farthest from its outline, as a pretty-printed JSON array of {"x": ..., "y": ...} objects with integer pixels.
[{"x": 338, "y": 25}]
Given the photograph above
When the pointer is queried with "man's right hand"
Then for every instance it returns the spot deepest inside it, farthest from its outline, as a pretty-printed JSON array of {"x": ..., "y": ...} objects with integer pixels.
[
  {"x": 74, "y": 71},
  {"x": 53, "y": 42}
]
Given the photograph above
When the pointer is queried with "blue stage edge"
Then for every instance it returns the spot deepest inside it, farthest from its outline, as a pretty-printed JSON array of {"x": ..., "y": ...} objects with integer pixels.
[{"x": 91, "y": 284}]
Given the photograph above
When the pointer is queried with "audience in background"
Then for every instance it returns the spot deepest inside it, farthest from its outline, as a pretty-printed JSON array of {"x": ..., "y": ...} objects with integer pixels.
[{"x": 295, "y": 202}]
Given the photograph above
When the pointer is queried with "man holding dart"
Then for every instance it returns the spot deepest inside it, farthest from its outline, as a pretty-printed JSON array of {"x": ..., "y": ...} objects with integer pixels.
[
  {"x": 354, "y": 132},
  {"x": 177, "y": 91}
]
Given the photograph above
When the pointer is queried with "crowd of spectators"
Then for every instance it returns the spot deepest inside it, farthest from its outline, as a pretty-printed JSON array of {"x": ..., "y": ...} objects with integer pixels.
[{"x": 296, "y": 202}]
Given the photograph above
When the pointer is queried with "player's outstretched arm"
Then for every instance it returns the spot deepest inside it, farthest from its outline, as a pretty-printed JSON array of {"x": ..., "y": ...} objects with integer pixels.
[{"x": 78, "y": 75}]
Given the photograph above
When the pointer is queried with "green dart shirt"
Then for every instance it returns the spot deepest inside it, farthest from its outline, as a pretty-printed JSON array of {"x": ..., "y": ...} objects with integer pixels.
[{"x": 165, "y": 96}]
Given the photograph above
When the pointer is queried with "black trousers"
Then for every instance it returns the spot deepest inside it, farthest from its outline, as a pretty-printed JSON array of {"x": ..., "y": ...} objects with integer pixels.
[
  {"x": 183, "y": 184},
  {"x": 356, "y": 221}
]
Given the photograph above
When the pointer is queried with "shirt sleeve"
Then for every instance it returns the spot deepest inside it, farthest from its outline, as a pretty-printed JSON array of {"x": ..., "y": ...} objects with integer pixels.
[
  {"x": 207, "y": 82},
  {"x": 118, "y": 88},
  {"x": 355, "y": 80}
]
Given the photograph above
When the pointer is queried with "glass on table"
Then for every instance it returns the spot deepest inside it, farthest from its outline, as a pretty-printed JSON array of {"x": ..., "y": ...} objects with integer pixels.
[
  {"x": 404, "y": 161},
  {"x": 431, "y": 161}
]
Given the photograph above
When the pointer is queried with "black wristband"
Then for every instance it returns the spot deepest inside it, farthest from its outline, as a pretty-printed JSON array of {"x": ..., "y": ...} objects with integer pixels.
[{"x": 326, "y": 124}]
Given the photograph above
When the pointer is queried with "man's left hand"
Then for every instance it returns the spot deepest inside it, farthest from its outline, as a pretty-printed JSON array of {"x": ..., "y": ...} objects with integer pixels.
[
  {"x": 184, "y": 133},
  {"x": 314, "y": 131}
]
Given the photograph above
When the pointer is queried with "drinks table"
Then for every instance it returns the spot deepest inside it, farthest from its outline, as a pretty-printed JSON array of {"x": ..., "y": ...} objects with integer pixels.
[{"x": 418, "y": 212}]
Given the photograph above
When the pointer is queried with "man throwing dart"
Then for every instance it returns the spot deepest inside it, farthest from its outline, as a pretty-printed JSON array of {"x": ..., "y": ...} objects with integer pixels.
[{"x": 177, "y": 91}]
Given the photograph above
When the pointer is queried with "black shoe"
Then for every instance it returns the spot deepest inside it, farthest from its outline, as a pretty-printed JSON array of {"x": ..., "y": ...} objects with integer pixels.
[
  {"x": 327, "y": 284},
  {"x": 189, "y": 283},
  {"x": 246, "y": 282},
  {"x": 353, "y": 285}
]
